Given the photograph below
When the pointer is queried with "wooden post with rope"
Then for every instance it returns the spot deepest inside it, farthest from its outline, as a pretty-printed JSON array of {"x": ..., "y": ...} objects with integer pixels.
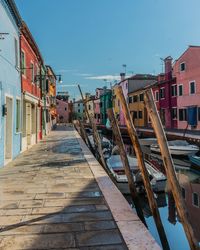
[
  {"x": 125, "y": 162},
  {"x": 133, "y": 136},
  {"x": 169, "y": 168}
]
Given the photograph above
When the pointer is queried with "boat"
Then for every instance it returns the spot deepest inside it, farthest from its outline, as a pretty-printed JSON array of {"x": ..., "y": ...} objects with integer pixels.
[
  {"x": 179, "y": 163},
  {"x": 178, "y": 147},
  {"x": 147, "y": 141},
  {"x": 195, "y": 160},
  {"x": 114, "y": 163}
]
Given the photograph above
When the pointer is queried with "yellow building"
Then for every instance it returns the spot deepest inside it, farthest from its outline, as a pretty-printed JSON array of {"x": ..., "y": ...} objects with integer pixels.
[
  {"x": 89, "y": 102},
  {"x": 137, "y": 108}
]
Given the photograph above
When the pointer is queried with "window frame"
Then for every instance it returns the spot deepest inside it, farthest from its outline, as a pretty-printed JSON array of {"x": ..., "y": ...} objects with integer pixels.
[
  {"x": 183, "y": 115},
  {"x": 193, "y": 199},
  {"x": 180, "y": 85},
  {"x": 181, "y": 65},
  {"x": 194, "y": 87},
  {"x": 173, "y": 86},
  {"x": 32, "y": 71},
  {"x": 156, "y": 95},
  {"x": 140, "y": 112},
  {"x": 23, "y": 70},
  {"x": 18, "y": 118},
  {"x": 174, "y": 108},
  {"x": 141, "y": 99},
  {"x": 162, "y": 98}
]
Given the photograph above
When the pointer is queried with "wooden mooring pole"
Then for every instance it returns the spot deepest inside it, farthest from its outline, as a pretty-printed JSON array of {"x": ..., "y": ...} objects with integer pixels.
[
  {"x": 125, "y": 162},
  {"x": 133, "y": 136},
  {"x": 96, "y": 136},
  {"x": 169, "y": 168}
]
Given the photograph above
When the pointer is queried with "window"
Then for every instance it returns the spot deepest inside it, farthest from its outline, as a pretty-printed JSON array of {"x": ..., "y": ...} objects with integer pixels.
[
  {"x": 156, "y": 96},
  {"x": 140, "y": 114},
  {"x": 89, "y": 107},
  {"x": 182, "y": 114},
  {"x": 135, "y": 98},
  {"x": 174, "y": 90},
  {"x": 65, "y": 109},
  {"x": 162, "y": 93},
  {"x": 78, "y": 110},
  {"x": 141, "y": 97},
  {"x": 18, "y": 116},
  {"x": 78, "y": 104},
  {"x": 182, "y": 66},
  {"x": 174, "y": 113},
  {"x": 32, "y": 72},
  {"x": 199, "y": 113},
  {"x": 183, "y": 192},
  {"x": 23, "y": 63},
  {"x": 134, "y": 115},
  {"x": 195, "y": 199},
  {"x": 16, "y": 54},
  {"x": 180, "y": 90},
  {"x": 130, "y": 99},
  {"x": 192, "y": 88}
]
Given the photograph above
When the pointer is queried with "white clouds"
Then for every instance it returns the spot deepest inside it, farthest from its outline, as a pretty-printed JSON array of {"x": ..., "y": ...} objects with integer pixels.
[
  {"x": 67, "y": 70},
  {"x": 104, "y": 77},
  {"x": 82, "y": 74}
]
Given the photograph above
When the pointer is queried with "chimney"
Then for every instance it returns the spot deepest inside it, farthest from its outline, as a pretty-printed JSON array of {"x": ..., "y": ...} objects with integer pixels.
[
  {"x": 168, "y": 68},
  {"x": 122, "y": 76}
]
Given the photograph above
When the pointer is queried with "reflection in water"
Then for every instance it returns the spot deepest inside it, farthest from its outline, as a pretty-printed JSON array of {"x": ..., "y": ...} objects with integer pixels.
[{"x": 190, "y": 186}]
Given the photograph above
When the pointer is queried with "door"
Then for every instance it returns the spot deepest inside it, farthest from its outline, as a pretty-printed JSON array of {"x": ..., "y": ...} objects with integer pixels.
[
  {"x": 28, "y": 123},
  {"x": 8, "y": 128}
]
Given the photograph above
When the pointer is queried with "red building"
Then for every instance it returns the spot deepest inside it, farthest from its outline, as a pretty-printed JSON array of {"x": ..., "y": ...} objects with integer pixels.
[
  {"x": 165, "y": 95},
  {"x": 31, "y": 61}
]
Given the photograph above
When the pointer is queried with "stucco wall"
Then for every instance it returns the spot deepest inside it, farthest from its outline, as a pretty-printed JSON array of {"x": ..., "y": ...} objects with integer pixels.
[
  {"x": 191, "y": 57},
  {"x": 9, "y": 78}
]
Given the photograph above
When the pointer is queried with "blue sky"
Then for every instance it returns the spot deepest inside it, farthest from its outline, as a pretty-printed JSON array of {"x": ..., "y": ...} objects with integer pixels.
[{"x": 87, "y": 40}]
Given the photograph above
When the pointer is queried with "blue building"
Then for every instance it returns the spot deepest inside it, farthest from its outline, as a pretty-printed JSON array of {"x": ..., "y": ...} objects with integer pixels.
[{"x": 10, "y": 82}]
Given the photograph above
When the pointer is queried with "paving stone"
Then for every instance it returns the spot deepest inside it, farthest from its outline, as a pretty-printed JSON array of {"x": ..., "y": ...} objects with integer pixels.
[
  {"x": 44, "y": 241},
  {"x": 51, "y": 200},
  {"x": 31, "y": 203},
  {"x": 63, "y": 227},
  {"x": 99, "y": 225},
  {"x": 98, "y": 238},
  {"x": 67, "y": 202},
  {"x": 93, "y": 216}
]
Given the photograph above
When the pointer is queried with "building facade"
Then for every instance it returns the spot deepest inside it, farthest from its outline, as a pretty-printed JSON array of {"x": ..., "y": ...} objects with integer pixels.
[
  {"x": 51, "y": 96},
  {"x": 10, "y": 83},
  {"x": 78, "y": 110},
  {"x": 187, "y": 73},
  {"x": 31, "y": 92},
  {"x": 105, "y": 103},
  {"x": 165, "y": 96},
  {"x": 97, "y": 110},
  {"x": 62, "y": 109}
]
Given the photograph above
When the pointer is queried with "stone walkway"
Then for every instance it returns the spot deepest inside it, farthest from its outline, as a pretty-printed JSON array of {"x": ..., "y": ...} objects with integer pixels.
[{"x": 49, "y": 199}]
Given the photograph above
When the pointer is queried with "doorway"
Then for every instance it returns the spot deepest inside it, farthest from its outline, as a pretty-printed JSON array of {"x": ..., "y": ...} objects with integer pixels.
[{"x": 8, "y": 128}]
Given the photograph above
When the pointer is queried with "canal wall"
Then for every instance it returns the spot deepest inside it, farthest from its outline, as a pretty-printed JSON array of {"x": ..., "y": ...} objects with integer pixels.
[{"x": 135, "y": 234}]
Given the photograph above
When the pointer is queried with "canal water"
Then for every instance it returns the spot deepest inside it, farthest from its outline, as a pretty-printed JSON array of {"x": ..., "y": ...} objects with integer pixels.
[{"x": 189, "y": 180}]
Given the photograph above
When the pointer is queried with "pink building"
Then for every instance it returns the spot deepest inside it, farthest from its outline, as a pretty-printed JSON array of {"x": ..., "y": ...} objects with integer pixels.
[
  {"x": 97, "y": 111},
  {"x": 62, "y": 108},
  {"x": 187, "y": 73}
]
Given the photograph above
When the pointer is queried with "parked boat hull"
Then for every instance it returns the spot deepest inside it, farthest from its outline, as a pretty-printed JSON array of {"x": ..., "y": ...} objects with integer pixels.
[
  {"x": 176, "y": 151},
  {"x": 158, "y": 188}
]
